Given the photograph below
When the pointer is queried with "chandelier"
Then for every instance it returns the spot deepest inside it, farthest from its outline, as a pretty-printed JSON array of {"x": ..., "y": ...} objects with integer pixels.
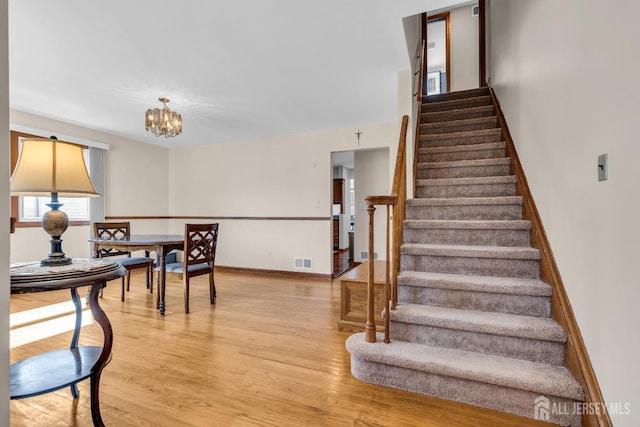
[{"x": 163, "y": 122}]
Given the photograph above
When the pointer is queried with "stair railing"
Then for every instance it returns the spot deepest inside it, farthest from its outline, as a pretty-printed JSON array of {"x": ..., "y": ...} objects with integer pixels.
[
  {"x": 393, "y": 241},
  {"x": 418, "y": 95}
]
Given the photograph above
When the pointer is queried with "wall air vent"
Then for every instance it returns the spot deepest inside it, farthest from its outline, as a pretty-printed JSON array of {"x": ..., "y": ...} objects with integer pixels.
[
  {"x": 303, "y": 263},
  {"x": 475, "y": 10},
  {"x": 365, "y": 255}
]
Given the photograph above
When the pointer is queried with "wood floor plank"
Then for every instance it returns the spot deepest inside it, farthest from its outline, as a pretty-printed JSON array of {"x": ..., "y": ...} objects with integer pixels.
[{"x": 268, "y": 353}]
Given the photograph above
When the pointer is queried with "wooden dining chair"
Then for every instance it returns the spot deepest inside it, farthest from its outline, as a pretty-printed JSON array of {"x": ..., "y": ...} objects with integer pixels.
[
  {"x": 121, "y": 231},
  {"x": 198, "y": 257}
]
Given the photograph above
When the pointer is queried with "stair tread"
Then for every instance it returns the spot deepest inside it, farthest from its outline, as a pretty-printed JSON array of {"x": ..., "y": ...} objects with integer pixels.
[
  {"x": 453, "y": 112},
  {"x": 539, "y": 378},
  {"x": 458, "y": 122},
  {"x": 498, "y": 252},
  {"x": 502, "y": 179},
  {"x": 460, "y": 201},
  {"x": 468, "y": 224},
  {"x": 488, "y": 284},
  {"x": 431, "y": 100},
  {"x": 465, "y": 163},
  {"x": 468, "y": 147},
  {"x": 461, "y": 134},
  {"x": 514, "y": 325}
]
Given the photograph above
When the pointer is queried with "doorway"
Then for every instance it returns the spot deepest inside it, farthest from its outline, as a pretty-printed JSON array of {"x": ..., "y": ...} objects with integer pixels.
[
  {"x": 365, "y": 172},
  {"x": 343, "y": 211},
  {"x": 438, "y": 75}
]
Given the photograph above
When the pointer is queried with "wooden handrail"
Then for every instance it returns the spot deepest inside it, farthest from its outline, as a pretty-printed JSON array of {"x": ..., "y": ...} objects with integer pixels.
[
  {"x": 393, "y": 242},
  {"x": 416, "y": 139},
  {"x": 422, "y": 64},
  {"x": 399, "y": 189}
]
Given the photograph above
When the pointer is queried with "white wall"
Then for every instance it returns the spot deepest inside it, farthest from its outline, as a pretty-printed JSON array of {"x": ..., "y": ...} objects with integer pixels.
[
  {"x": 32, "y": 243},
  {"x": 136, "y": 181},
  {"x": 5, "y": 152},
  {"x": 464, "y": 49},
  {"x": 276, "y": 177},
  {"x": 371, "y": 174},
  {"x": 566, "y": 75},
  {"x": 288, "y": 176}
]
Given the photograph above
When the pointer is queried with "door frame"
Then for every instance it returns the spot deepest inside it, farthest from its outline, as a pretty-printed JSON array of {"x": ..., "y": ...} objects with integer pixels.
[
  {"x": 425, "y": 21},
  {"x": 482, "y": 67}
]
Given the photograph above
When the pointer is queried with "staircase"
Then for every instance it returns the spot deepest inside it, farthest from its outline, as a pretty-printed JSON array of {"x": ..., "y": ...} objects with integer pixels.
[{"x": 473, "y": 320}]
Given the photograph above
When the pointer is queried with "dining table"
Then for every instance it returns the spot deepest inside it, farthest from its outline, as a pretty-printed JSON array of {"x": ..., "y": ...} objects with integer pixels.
[{"x": 162, "y": 244}]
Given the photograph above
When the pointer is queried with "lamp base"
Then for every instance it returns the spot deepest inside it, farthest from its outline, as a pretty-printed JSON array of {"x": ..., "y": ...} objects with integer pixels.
[
  {"x": 55, "y": 262},
  {"x": 55, "y": 222}
]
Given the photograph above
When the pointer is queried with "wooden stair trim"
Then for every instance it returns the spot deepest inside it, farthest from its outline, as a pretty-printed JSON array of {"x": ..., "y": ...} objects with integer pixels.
[{"x": 576, "y": 356}]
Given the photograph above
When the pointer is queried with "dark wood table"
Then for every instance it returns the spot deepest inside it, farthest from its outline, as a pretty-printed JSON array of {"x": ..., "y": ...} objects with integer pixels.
[
  {"x": 47, "y": 372},
  {"x": 162, "y": 244}
]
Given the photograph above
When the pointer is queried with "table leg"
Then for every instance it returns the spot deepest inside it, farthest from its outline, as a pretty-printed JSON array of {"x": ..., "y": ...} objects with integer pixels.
[
  {"x": 162, "y": 277},
  {"x": 76, "y": 332},
  {"x": 100, "y": 318}
]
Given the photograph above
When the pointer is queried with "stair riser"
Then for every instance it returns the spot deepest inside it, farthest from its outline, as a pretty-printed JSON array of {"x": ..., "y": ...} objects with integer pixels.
[
  {"x": 482, "y": 301},
  {"x": 479, "y": 190},
  {"x": 498, "y": 345},
  {"x": 444, "y": 127},
  {"x": 471, "y": 266},
  {"x": 505, "y": 399},
  {"x": 461, "y": 155},
  {"x": 496, "y": 237},
  {"x": 446, "y": 116},
  {"x": 465, "y": 212},
  {"x": 431, "y": 107},
  {"x": 463, "y": 172},
  {"x": 440, "y": 141}
]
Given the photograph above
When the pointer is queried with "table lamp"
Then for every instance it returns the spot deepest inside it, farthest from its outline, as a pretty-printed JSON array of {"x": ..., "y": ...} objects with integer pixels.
[{"x": 52, "y": 167}]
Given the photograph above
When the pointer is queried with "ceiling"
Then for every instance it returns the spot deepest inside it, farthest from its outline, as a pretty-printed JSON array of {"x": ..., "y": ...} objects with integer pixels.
[{"x": 235, "y": 70}]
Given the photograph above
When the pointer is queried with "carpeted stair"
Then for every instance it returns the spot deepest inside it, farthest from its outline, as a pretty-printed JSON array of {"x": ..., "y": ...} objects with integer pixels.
[{"x": 473, "y": 320}]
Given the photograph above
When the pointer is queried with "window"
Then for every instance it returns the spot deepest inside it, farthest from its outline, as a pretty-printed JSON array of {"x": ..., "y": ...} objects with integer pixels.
[
  {"x": 32, "y": 208},
  {"x": 29, "y": 209}
]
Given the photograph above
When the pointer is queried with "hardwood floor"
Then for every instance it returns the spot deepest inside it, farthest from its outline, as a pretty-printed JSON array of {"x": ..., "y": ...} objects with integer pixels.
[{"x": 268, "y": 353}]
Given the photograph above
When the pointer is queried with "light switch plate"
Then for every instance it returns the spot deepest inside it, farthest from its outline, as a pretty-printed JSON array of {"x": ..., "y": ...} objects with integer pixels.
[{"x": 603, "y": 167}]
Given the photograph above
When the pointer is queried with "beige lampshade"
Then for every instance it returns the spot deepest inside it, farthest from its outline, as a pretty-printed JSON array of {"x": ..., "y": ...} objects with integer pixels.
[{"x": 48, "y": 166}]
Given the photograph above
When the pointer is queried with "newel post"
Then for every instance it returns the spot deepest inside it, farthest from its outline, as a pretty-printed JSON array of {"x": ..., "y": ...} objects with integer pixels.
[{"x": 370, "y": 326}]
